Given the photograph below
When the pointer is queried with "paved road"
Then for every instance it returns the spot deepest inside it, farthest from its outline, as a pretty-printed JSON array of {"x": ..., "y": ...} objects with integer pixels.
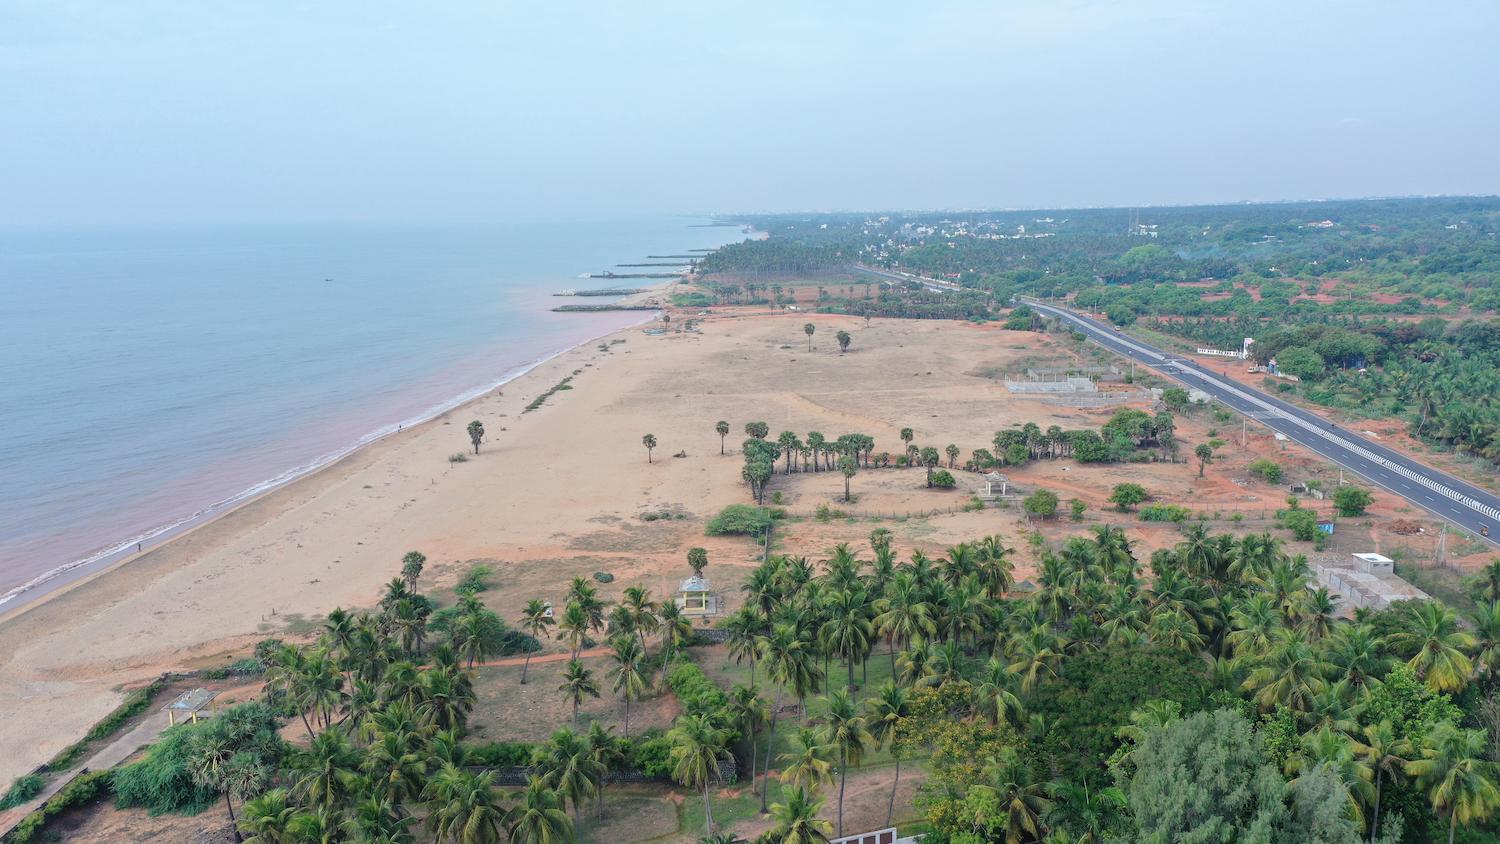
[{"x": 1459, "y": 503}]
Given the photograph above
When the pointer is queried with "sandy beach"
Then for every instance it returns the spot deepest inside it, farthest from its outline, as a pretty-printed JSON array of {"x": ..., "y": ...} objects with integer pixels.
[{"x": 558, "y": 492}]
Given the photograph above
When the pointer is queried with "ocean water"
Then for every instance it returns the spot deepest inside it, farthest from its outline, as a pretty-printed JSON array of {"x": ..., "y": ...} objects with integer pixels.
[{"x": 152, "y": 377}]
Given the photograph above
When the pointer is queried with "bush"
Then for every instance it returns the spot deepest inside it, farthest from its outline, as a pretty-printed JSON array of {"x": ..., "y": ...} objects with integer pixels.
[
  {"x": 1265, "y": 469},
  {"x": 943, "y": 479},
  {"x": 604, "y": 577},
  {"x": 1302, "y": 523},
  {"x": 1077, "y": 509},
  {"x": 81, "y": 790},
  {"x": 741, "y": 520},
  {"x": 1042, "y": 503},
  {"x": 161, "y": 782},
  {"x": 651, "y": 754},
  {"x": 974, "y": 504},
  {"x": 1351, "y": 500},
  {"x": 1164, "y": 513},
  {"x": 458, "y": 457},
  {"x": 501, "y": 754},
  {"x": 694, "y": 690},
  {"x": 23, "y": 789},
  {"x": 1128, "y": 495},
  {"x": 476, "y": 579}
]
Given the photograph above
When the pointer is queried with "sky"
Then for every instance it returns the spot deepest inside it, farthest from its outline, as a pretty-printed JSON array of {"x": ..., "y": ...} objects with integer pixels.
[{"x": 155, "y": 112}]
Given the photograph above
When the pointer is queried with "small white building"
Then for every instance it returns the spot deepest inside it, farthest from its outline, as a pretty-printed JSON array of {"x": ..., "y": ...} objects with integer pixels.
[
  {"x": 995, "y": 486},
  {"x": 696, "y": 598},
  {"x": 1374, "y": 564}
]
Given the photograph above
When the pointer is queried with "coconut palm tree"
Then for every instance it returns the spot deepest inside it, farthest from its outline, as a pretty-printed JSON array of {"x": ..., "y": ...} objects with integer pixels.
[
  {"x": 567, "y": 765},
  {"x": 536, "y": 618},
  {"x": 790, "y": 661},
  {"x": 722, "y": 429},
  {"x": 578, "y": 683},
  {"x": 1453, "y": 770},
  {"x": 697, "y": 746},
  {"x": 1333, "y": 751},
  {"x": 379, "y": 821},
  {"x": 676, "y": 630},
  {"x": 638, "y": 607},
  {"x": 1437, "y": 646},
  {"x": 268, "y": 818},
  {"x": 744, "y": 627},
  {"x": 849, "y": 735},
  {"x": 1092, "y": 812},
  {"x": 538, "y": 816},
  {"x": 324, "y": 774},
  {"x": 748, "y": 712},
  {"x": 809, "y": 765},
  {"x": 997, "y": 695},
  {"x": 629, "y": 681},
  {"x": 1020, "y": 797},
  {"x": 1386, "y": 755},
  {"x": 797, "y": 821},
  {"x": 574, "y": 627},
  {"x": 808, "y": 329},
  {"x": 1486, "y": 621},
  {"x": 848, "y": 631},
  {"x": 1291, "y": 675},
  {"x": 885, "y": 712},
  {"x": 465, "y": 807}
]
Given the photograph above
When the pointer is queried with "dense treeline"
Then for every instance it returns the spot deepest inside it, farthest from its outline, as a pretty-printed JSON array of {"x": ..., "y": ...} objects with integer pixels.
[
  {"x": 1219, "y": 694},
  {"x": 1313, "y": 283}
]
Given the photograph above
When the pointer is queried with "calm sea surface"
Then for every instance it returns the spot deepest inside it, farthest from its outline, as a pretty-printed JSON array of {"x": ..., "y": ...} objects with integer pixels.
[{"x": 151, "y": 377}]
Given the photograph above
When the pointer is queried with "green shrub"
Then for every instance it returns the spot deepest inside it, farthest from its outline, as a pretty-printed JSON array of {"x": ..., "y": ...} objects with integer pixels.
[
  {"x": 604, "y": 577},
  {"x": 1351, "y": 500},
  {"x": 943, "y": 479},
  {"x": 23, "y": 789},
  {"x": 741, "y": 520},
  {"x": 501, "y": 754},
  {"x": 1302, "y": 523},
  {"x": 1266, "y": 469},
  {"x": 694, "y": 690},
  {"x": 1164, "y": 513},
  {"x": 476, "y": 579},
  {"x": 651, "y": 754},
  {"x": 974, "y": 504},
  {"x": 161, "y": 782},
  {"x": 81, "y": 790},
  {"x": 458, "y": 457}
]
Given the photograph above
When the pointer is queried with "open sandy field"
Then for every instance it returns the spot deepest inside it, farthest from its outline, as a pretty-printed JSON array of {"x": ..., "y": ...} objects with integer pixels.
[{"x": 558, "y": 492}]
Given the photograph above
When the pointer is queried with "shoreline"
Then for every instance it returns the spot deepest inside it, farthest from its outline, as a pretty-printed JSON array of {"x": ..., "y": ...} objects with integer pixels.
[{"x": 56, "y": 581}]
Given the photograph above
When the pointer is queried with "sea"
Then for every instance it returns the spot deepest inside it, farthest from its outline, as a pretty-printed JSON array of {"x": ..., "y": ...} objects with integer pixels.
[{"x": 152, "y": 377}]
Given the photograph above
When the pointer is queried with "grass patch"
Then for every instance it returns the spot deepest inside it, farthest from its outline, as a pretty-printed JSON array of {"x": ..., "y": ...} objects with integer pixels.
[{"x": 542, "y": 399}]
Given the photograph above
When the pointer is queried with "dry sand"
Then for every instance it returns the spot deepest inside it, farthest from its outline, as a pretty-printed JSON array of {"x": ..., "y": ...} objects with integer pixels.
[{"x": 557, "y": 493}]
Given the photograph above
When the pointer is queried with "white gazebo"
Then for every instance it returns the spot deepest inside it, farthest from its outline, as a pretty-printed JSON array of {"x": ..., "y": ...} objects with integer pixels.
[{"x": 995, "y": 486}]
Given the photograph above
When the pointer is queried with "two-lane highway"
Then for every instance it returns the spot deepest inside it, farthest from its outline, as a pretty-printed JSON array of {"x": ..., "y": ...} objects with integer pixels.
[{"x": 1441, "y": 494}]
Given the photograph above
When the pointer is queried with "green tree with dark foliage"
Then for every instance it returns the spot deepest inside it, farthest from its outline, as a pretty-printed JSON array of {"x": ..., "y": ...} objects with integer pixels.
[
  {"x": 722, "y": 429},
  {"x": 1352, "y": 500},
  {"x": 476, "y": 434}
]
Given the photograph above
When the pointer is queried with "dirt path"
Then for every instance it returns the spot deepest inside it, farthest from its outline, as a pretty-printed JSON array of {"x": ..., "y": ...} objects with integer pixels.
[
  {"x": 107, "y": 757},
  {"x": 544, "y": 658}
]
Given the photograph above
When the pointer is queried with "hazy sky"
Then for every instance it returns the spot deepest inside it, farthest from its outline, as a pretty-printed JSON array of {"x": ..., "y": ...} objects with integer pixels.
[{"x": 131, "y": 110}]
